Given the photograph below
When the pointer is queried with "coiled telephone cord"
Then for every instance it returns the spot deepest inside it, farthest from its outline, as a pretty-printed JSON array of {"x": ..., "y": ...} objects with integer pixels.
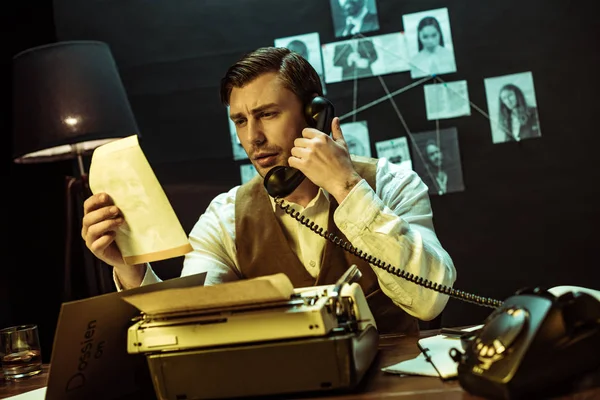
[{"x": 455, "y": 293}]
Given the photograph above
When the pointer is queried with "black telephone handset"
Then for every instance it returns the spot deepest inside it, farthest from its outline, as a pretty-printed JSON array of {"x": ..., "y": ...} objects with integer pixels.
[
  {"x": 281, "y": 181},
  {"x": 535, "y": 345}
]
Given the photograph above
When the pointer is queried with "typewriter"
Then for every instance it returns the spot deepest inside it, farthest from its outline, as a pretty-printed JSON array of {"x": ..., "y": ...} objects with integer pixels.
[{"x": 258, "y": 337}]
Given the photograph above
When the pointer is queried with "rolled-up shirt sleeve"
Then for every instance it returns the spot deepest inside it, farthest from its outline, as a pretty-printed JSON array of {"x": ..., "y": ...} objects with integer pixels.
[{"x": 395, "y": 224}]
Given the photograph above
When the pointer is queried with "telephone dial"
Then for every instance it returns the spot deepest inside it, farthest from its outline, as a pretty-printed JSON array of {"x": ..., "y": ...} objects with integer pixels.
[
  {"x": 531, "y": 343},
  {"x": 536, "y": 345}
]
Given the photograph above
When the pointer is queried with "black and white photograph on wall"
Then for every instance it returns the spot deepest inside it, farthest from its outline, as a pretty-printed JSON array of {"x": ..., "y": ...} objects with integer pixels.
[
  {"x": 356, "y": 135},
  {"x": 512, "y": 107},
  {"x": 351, "y": 17},
  {"x": 436, "y": 159},
  {"x": 447, "y": 100},
  {"x": 395, "y": 150},
  {"x": 364, "y": 58},
  {"x": 236, "y": 147},
  {"x": 308, "y": 46},
  {"x": 429, "y": 43},
  {"x": 247, "y": 172}
]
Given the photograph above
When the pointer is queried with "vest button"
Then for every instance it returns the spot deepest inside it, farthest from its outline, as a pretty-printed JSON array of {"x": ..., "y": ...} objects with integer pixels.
[{"x": 312, "y": 263}]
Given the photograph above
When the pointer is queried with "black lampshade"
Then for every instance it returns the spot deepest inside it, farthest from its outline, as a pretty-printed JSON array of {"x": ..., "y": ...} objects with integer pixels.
[{"x": 68, "y": 99}]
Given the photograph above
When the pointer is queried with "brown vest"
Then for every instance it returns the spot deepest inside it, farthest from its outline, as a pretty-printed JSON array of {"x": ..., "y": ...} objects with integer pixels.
[{"x": 262, "y": 249}]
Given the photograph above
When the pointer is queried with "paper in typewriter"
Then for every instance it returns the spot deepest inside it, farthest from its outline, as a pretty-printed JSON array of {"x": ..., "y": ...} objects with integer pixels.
[
  {"x": 264, "y": 289},
  {"x": 151, "y": 231}
]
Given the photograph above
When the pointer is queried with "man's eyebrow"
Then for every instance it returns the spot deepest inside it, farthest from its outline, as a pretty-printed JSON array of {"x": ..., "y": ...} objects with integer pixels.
[{"x": 255, "y": 111}]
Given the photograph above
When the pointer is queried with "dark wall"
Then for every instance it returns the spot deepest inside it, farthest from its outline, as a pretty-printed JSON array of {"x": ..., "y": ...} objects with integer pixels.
[
  {"x": 34, "y": 208},
  {"x": 528, "y": 214}
]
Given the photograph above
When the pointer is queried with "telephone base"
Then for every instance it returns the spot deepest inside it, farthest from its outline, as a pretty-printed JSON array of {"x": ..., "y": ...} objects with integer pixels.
[{"x": 535, "y": 346}]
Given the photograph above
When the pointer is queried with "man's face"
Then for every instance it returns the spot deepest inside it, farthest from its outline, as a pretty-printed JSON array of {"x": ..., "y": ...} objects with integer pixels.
[
  {"x": 268, "y": 118},
  {"x": 352, "y": 7},
  {"x": 435, "y": 155}
]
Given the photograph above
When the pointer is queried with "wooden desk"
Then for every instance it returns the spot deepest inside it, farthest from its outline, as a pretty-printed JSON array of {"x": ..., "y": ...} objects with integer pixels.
[
  {"x": 377, "y": 384},
  {"x": 10, "y": 388}
]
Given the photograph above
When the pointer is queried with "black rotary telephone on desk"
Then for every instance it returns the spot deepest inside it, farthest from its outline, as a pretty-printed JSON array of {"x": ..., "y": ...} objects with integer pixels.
[{"x": 532, "y": 344}]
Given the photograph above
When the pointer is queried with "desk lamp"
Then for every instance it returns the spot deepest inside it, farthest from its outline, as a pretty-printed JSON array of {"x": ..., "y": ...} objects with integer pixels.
[{"x": 68, "y": 99}]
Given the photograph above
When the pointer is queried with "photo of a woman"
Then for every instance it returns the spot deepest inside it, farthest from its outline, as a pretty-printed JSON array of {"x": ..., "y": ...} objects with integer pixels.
[
  {"x": 517, "y": 119},
  {"x": 512, "y": 107},
  {"x": 432, "y": 50}
]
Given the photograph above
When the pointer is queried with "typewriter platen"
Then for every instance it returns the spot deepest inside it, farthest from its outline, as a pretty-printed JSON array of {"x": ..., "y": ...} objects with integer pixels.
[{"x": 321, "y": 338}]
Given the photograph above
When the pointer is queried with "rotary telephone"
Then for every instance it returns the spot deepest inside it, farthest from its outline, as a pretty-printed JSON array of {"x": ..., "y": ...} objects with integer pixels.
[{"x": 533, "y": 343}]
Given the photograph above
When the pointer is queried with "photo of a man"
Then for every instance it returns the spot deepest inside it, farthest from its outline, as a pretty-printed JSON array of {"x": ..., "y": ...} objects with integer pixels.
[
  {"x": 351, "y": 17},
  {"x": 358, "y": 58},
  {"x": 308, "y": 45},
  {"x": 355, "y": 57},
  {"x": 436, "y": 159}
]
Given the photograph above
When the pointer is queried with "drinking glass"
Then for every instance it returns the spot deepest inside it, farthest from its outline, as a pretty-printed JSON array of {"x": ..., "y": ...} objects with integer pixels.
[{"x": 20, "y": 352}]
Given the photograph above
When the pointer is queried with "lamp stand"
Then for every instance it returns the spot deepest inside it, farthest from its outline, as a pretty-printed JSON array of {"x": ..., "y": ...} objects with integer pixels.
[{"x": 94, "y": 275}]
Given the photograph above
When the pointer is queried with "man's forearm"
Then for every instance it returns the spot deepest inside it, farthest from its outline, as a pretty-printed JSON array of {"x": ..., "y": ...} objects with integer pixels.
[{"x": 130, "y": 276}]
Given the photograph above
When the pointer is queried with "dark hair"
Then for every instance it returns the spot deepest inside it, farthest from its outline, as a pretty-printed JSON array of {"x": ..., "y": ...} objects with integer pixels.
[
  {"x": 429, "y": 21},
  {"x": 431, "y": 142},
  {"x": 294, "y": 71},
  {"x": 299, "y": 47},
  {"x": 522, "y": 110}
]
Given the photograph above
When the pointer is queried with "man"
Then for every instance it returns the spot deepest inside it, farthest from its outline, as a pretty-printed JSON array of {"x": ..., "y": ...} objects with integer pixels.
[
  {"x": 357, "y": 18},
  {"x": 355, "y": 58},
  {"x": 381, "y": 209},
  {"x": 435, "y": 159}
]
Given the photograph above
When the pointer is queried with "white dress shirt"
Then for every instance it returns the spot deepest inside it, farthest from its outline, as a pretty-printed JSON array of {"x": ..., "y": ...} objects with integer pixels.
[{"x": 395, "y": 225}]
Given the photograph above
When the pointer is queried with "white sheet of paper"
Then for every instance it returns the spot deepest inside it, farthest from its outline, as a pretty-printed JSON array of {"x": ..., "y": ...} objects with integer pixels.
[
  {"x": 37, "y": 394},
  {"x": 440, "y": 363},
  {"x": 263, "y": 289},
  {"x": 151, "y": 231},
  {"x": 356, "y": 135},
  {"x": 395, "y": 150},
  {"x": 447, "y": 100},
  {"x": 415, "y": 366}
]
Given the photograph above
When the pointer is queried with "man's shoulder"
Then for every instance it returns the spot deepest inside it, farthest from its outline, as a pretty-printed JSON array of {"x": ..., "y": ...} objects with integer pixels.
[{"x": 225, "y": 198}]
